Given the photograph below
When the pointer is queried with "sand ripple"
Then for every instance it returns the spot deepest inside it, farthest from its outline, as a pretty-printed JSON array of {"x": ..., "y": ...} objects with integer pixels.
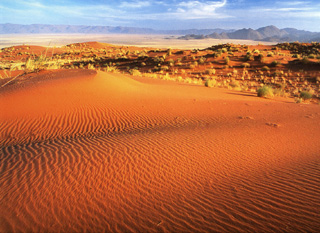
[{"x": 118, "y": 161}]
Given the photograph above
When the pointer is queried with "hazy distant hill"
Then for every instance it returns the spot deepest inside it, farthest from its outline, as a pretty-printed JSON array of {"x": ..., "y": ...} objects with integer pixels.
[
  {"x": 269, "y": 33},
  {"x": 49, "y": 29},
  {"x": 44, "y": 28}
]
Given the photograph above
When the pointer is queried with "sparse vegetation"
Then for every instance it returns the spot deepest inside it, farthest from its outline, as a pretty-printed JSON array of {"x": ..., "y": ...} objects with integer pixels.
[
  {"x": 265, "y": 91},
  {"x": 243, "y": 68},
  {"x": 210, "y": 83},
  {"x": 305, "y": 95}
]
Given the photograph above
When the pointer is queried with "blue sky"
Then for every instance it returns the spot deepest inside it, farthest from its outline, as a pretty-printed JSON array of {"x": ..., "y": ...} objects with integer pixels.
[{"x": 166, "y": 14}]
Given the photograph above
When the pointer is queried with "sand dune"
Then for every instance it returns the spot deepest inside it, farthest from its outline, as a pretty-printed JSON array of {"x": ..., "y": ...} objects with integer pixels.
[{"x": 104, "y": 152}]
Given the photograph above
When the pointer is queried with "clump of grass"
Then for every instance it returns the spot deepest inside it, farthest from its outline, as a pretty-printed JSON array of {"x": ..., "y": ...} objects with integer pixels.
[
  {"x": 275, "y": 63},
  {"x": 279, "y": 92},
  {"x": 210, "y": 71},
  {"x": 305, "y": 95},
  {"x": 265, "y": 68},
  {"x": 91, "y": 67},
  {"x": 202, "y": 60},
  {"x": 265, "y": 91},
  {"x": 245, "y": 65},
  {"x": 305, "y": 60},
  {"x": 227, "y": 60},
  {"x": 312, "y": 56},
  {"x": 135, "y": 72},
  {"x": 298, "y": 100},
  {"x": 210, "y": 83},
  {"x": 112, "y": 69}
]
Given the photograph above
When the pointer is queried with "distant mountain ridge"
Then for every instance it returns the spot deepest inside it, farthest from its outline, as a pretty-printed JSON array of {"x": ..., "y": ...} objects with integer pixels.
[
  {"x": 48, "y": 29},
  {"x": 268, "y": 33}
]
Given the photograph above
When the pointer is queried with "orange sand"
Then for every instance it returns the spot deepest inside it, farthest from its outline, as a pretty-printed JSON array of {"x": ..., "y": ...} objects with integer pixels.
[{"x": 104, "y": 152}]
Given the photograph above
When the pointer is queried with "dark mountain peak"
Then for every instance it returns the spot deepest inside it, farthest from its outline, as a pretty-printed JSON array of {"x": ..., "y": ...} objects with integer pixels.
[
  {"x": 245, "y": 34},
  {"x": 272, "y": 31}
]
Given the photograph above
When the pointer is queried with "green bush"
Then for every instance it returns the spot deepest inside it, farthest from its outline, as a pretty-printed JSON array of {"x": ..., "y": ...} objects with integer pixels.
[
  {"x": 312, "y": 56},
  {"x": 210, "y": 71},
  {"x": 265, "y": 91},
  {"x": 227, "y": 60},
  {"x": 305, "y": 60},
  {"x": 275, "y": 63},
  {"x": 245, "y": 65},
  {"x": 305, "y": 95},
  {"x": 210, "y": 83},
  {"x": 265, "y": 68}
]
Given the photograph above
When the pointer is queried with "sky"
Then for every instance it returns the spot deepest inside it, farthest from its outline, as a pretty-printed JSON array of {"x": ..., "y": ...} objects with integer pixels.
[{"x": 166, "y": 14}]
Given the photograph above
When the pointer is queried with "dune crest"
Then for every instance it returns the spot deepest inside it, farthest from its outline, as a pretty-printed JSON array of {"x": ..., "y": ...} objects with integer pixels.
[{"x": 103, "y": 152}]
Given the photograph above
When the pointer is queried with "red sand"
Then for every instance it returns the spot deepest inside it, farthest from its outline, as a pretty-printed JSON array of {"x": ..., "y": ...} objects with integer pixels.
[{"x": 104, "y": 152}]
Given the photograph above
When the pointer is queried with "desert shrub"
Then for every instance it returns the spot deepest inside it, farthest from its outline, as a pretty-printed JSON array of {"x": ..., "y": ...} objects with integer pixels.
[
  {"x": 245, "y": 65},
  {"x": 256, "y": 51},
  {"x": 210, "y": 83},
  {"x": 279, "y": 92},
  {"x": 260, "y": 58},
  {"x": 305, "y": 60},
  {"x": 312, "y": 56},
  {"x": 249, "y": 57},
  {"x": 210, "y": 71},
  {"x": 234, "y": 84},
  {"x": 169, "y": 52},
  {"x": 202, "y": 60},
  {"x": 91, "y": 67},
  {"x": 36, "y": 64},
  {"x": 224, "y": 50},
  {"x": 227, "y": 60},
  {"x": 135, "y": 72},
  {"x": 165, "y": 68},
  {"x": 305, "y": 95},
  {"x": 298, "y": 100},
  {"x": 216, "y": 55},
  {"x": 265, "y": 91},
  {"x": 275, "y": 63},
  {"x": 270, "y": 54}
]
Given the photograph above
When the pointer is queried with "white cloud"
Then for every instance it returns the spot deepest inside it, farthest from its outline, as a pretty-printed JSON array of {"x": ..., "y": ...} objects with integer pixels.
[
  {"x": 136, "y": 4},
  {"x": 34, "y": 4},
  {"x": 293, "y": 3},
  {"x": 199, "y": 10}
]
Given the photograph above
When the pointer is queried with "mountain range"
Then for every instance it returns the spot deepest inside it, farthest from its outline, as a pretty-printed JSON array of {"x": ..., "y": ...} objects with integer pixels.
[
  {"x": 66, "y": 29},
  {"x": 269, "y": 33}
]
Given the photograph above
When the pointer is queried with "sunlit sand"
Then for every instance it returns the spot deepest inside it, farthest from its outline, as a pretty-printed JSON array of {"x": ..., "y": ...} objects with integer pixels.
[{"x": 87, "y": 150}]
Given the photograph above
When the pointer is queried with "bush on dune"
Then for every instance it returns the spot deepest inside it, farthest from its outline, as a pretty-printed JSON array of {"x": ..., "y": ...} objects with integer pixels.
[
  {"x": 210, "y": 83},
  {"x": 305, "y": 95},
  {"x": 265, "y": 91}
]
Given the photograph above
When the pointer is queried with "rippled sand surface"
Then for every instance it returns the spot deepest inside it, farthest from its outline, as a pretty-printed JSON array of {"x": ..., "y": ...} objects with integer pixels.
[{"x": 86, "y": 151}]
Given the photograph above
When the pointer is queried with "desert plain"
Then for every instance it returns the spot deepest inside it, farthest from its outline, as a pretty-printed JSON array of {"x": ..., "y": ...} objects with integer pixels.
[{"x": 99, "y": 137}]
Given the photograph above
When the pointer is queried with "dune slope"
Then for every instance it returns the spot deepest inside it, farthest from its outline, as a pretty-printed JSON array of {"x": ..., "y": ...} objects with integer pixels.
[{"x": 104, "y": 152}]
